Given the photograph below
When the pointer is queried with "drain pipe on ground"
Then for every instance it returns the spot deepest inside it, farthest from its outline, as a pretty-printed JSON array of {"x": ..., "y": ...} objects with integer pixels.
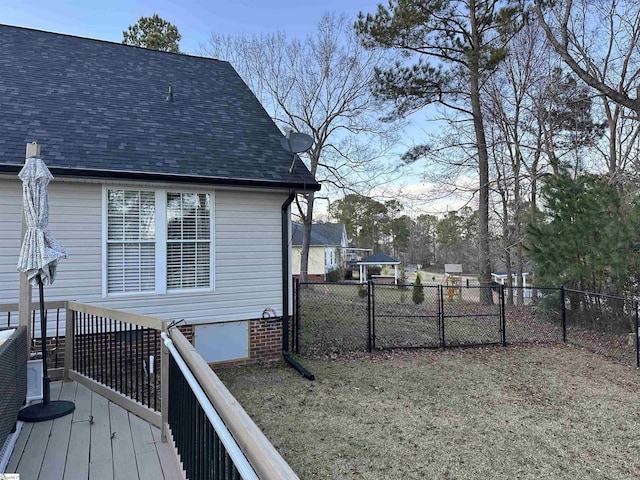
[{"x": 285, "y": 291}]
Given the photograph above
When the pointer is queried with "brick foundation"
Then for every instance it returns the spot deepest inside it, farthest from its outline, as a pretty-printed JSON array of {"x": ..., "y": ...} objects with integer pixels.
[
  {"x": 312, "y": 278},
  {"x": 265, "y": 343}
]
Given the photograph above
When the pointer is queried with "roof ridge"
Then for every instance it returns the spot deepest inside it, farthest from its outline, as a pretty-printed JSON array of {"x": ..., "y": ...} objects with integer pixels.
[{"x": 110, "y": 42}]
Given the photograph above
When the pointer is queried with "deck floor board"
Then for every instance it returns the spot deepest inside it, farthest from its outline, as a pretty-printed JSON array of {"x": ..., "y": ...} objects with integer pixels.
[{"x": 100, "y": 440}]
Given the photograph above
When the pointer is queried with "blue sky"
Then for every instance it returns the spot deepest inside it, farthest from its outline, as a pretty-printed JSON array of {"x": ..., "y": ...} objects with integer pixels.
[{"x": 195, "y": 19}]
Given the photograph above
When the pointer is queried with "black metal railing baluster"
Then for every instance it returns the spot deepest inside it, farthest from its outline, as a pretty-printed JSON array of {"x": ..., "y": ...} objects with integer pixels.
[
  {"x": 111, "y": 339},
  {"x": 105, "y": 352},
  {"x": 83, "y": 351},
  {"x": 94, "y": 346},
  {"x": 99, "y": 349},
  {"x": 155, "y": 376},
  {"x": 144, "y": 362},
  {"x": 85, "y": 347},
  {"x": 200, "y": 446},
  {"x": 121, "y": 373},
  {"x": 151, "y": 368},
  {"x": 74, "y": 334},
  {"x": 57, "y": 336},
  {"x": 216, "y": 456},
  {"x": 137, "y": 362}
]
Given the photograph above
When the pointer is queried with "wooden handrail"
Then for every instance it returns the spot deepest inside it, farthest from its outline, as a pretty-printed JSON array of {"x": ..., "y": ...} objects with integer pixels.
[
  {"x": 133, "y": 318},
  {"x": 264, "y": 458},
  {"x": 14, "y": 307}
]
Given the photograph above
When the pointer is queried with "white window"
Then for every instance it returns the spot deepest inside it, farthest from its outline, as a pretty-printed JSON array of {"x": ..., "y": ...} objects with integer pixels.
[
  {"x": 188, "y": 240},
  {"x": 131, "y": 230},
  {"x": 157, "y": 241}
]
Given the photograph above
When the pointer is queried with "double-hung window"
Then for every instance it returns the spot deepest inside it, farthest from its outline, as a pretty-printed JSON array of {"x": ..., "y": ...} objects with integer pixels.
[
  {"x": 188, "y": 240},
  {"x": 157, "y": 241}
]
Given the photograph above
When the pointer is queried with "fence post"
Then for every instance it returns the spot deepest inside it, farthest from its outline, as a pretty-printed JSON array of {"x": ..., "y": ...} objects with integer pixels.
[
  {"x": 441, "y": 315},
  {"x": 369, "y": 346},
  {"x": 563, "y": 309},
  {"x": 637, "y": 343},
  {"x": 296, "y": 318},
  {"x": 503, "y": 320},
  {"x": 373, "y": 314}
]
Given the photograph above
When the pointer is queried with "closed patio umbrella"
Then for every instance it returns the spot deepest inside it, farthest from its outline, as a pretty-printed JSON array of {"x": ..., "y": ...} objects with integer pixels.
[{"x": 38, "y": 259}]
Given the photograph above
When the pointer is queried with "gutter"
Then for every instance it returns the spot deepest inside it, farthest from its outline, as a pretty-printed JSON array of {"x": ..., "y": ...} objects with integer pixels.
[
  {"x": 285, "y": 291},
  {"x": 13, "y": 169}
]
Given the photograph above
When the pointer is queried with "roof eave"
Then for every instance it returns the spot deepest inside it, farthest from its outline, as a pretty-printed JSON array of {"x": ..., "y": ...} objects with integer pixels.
[{"x": 116, "y": 174}]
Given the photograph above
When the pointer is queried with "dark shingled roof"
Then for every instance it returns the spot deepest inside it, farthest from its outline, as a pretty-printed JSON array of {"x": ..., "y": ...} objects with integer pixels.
[
  {"x": 99, "y": 108},
  {"x": 379, "y": 258},
  {"x": 327, "y": 234}
]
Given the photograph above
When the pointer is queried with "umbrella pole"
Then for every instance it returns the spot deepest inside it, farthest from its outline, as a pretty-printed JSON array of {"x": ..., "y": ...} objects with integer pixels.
[
  {"x": 46, "y": 388},
  {"x": 47, "y": 410}
]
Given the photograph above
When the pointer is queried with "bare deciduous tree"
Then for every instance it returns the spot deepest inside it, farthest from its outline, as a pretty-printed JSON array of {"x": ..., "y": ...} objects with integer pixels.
[
  {"x": 593, "y": 38},
  {"x": 320, "y": 85}
]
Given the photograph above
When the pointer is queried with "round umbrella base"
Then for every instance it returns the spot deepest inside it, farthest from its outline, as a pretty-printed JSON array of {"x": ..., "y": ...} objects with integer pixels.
[{"x": 41, "y": 412}]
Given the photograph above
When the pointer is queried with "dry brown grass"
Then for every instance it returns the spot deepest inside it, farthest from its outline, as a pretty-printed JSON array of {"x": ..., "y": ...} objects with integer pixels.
[{"x": 551, "y": 412}]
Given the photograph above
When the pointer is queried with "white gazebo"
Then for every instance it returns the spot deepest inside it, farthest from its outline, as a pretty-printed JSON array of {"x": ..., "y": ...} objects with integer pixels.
[{"x": 378, "y": 259}]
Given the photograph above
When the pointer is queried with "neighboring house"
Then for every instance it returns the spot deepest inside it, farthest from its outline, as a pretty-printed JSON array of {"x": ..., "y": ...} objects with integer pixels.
[
  {"x": 327, "y": 249},
  {"x": 500, "y": 278},
  {"x": 171, "y": 189}
]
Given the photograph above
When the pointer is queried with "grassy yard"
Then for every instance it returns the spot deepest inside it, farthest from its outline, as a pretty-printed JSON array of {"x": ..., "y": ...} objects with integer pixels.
[{"x": 552, "y": 412}]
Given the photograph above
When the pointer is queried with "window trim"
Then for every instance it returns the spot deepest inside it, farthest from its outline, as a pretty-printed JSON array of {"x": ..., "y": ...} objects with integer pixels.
[{"x": 160, "y": 242}]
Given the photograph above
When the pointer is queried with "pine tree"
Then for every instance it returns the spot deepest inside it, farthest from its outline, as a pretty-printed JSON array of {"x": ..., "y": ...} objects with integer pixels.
[
  {"x": 153, "y": 33},
  {"x": 581, "y": 242},
  {"x": 418, "y": 291},
  {"x": 454, "y": 45}
]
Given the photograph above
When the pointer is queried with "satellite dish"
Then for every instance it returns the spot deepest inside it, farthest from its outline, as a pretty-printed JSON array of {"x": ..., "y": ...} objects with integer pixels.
[{"x": 295, "y": 142}]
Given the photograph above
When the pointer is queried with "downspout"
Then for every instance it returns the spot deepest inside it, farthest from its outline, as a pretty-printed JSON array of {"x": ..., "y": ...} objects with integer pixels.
[{"x": 285, "y": 291}]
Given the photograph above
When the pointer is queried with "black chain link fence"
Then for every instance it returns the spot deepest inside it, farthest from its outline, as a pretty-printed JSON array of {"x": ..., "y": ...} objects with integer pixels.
[
  {"x": 603, "y": 323},
  {"x": 331, "y": 317},
  {"x": 347, "y": 317},
  {"x": 532, "y": 315},
  {"x": 401, "y": 322}
]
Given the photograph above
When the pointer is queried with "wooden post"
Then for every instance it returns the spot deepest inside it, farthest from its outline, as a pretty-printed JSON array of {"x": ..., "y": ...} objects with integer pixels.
[{"x": 24, "y": 300}]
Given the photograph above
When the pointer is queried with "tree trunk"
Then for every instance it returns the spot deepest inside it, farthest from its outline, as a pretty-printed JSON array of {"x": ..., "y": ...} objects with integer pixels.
[
  {"x": 307, "y": 221},
  {"x": 484, "y": 253},
  {"x": 519, "y": 272}
]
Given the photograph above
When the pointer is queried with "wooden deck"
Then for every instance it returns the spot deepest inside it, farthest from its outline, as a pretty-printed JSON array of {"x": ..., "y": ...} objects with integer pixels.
[{"x": 100, "y": 440}]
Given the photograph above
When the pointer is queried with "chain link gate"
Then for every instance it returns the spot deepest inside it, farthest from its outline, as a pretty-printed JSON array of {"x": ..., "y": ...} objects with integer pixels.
[
  {"x": 467, "y": 320},
  {"x": 405, "y": 316},
  {"x": 346, "y": 317}
]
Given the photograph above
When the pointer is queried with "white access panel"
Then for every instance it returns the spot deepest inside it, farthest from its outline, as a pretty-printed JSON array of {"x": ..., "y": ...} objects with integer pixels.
[{"x": 219, "y": 342}]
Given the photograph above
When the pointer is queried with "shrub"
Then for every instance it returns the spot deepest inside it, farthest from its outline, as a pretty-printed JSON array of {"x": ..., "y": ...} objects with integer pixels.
[
  {"x": 418, "y": 291},
  {"x": 335, "y": 275},
  {"x": 374, "y": 270},
  {"x": 362, "y": 291}
]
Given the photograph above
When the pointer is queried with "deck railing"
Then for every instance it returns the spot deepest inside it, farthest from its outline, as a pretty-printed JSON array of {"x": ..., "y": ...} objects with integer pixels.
[
  {"x": 54, "y": 312},
  {"x": 121, "y": 356},
  {"x": 116, "y": 349},
  {"x": 207, "y": 449},
  {"x": 198, "y": 398}
]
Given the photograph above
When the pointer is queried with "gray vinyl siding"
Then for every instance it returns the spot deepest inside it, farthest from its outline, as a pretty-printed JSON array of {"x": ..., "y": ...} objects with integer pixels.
[{"x": 247, "y": 255}]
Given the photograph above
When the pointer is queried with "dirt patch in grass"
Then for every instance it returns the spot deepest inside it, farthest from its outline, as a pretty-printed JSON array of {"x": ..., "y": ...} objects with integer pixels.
[{"x": 534, "y": 412}]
